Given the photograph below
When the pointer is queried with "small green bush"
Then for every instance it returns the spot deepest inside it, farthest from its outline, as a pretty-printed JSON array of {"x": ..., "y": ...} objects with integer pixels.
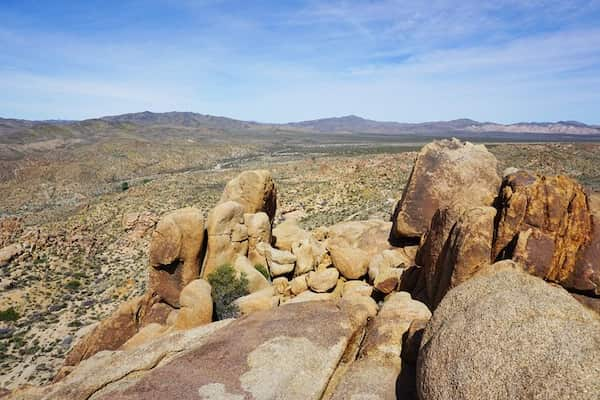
[
  {"x": 10, "y": 314},
  {"x": 73, "y": 284},
  {"x": 124, "y": 186},
  {"x": 226, "y": 287},
  {"x": 263, "y": 270}
]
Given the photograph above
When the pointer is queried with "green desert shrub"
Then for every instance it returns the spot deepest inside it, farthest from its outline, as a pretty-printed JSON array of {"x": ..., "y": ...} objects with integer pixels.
[
  {"x": 263, "y": 270},
  {"x": 73, "y": 284},
  {"x": 124, "y": 186},
  {"x": 226, "y": 287},
  {"x": 10, "y": 314}
]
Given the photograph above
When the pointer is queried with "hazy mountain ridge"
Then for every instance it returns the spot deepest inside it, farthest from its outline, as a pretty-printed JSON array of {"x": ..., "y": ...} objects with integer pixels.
[{"x": 149, "y": 125}]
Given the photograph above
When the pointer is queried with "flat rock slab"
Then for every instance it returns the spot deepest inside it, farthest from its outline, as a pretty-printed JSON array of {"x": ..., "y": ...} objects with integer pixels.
[{"x": 287, "y": 353}]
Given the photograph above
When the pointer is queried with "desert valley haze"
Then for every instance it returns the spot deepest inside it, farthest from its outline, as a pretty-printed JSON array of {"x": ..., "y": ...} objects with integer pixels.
[{"x": 376, "y": 200}]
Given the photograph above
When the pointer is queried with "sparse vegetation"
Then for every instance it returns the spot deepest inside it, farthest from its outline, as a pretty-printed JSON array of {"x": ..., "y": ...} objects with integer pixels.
[
  {"x": 10, "y": 314},
  {"x": 124, "y": 186},
  {"x": 263, "y": 270},
  {"x": 226, "y": 288},
  {"x": 73, "y": 284}
]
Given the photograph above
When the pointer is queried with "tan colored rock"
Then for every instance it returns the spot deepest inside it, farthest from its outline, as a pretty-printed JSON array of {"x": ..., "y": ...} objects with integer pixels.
[
  {"x": 146, "y": 334},
  {"x": 387, "y": 259},
  {"x": 551, "y": 227},
  {"x": 227, "y": 236},
  {"x": 112, "y": 332},
  {"x": 360, "y": 288},
  {"x": 310, "y": 296},
  {"x": 254, "y": 190},
  {"x": 322, "y": 281},
  {"x": 367, "y": 303},
  {"x": 376, "y": 371},
  {"x": 259, "y": 231},
  {"x": 256, "y": 280},
  {"x": 298, "y": 285},
  {"x": 261, "y": 300},
  {"x": 352, "y": 263},
  {"x": 543, "y": 342},
  {"x": 175, "y": 253},
  {"x": 309, "y": 253},
  {"x": 9, "y": 252},
  {"x": 446, "y": 174},
  {"x": 388, "y": 280},
  {"x": 287, "y": 233},
  {"x": 370, "y": 236},
  {"x": 196, "y": 305},
  {"x": 454, "y": 248},
  {"x": 280, "y": 262},
  {"x": 281, "y": 285}
]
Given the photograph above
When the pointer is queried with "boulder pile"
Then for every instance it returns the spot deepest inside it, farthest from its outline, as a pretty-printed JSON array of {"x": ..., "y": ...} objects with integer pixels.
[{"x": 345, "y": 312}]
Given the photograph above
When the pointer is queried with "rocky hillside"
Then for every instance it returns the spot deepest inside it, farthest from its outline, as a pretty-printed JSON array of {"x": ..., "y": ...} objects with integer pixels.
[{"x": 480, "y": 286}]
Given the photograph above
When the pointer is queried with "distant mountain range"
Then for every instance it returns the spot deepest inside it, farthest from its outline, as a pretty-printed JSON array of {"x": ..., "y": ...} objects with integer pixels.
[{"x": 22, "y": 131}]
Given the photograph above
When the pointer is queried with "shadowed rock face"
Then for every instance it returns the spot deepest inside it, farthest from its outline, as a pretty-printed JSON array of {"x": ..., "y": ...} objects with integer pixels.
[
  {"x": 446, "y": 174},
  {"x": 454, "y": 248},
  {"x": 505, "y": 334},
  {"x": 549, "y": 225},
  {"x": 175, "y": 253}
]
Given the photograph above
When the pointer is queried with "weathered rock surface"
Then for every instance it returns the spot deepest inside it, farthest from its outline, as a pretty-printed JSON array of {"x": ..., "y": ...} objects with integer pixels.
[
  {"x": 227, "y": 236},
  {"x": 374, "y": 374},
  {"x": 298, "y": 285},
  {"x": 280, "y": 262},
  {"x": 287, "y": 233},
  {"x": 323, "y": 280},
  {"x": 371, "y": 236},
  {"x": 309, "y": 254},
  {"x": 115, "y": 330},
  {"x": 9, "y": 252},
  {"x": 352, "y": 263},
  {"x": 254, "y": 190},
  {"x": 259, "y": 231},
  {"x": 290, "y": 352},
  {"x": 261, "y": 300},
  {"x": 507, "y": 334},
  {"x": 549, "y": 225},
  {"x": 175, "y": 252},
  {"x": 454, "y": 248},
  {"x": 446, "y": 174},
  {"x": 196, "y": 305}
]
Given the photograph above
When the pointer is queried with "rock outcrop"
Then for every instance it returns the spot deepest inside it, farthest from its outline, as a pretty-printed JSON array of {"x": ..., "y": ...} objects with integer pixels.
[
  {"x": 454, "y": 248},
  {"x": 446, "y": 174},
  {"x": 196, "y": 305},
  {"x": 507, "y": 334},
  {"x": 546, "y": 224},
  {"x": 290, "y": 352},
  {"x": 375, "y": 373},
  {"x": 227, "y": 236},
  {"x": 254, "y": 190},
  {"x": 175, "y": 253}
]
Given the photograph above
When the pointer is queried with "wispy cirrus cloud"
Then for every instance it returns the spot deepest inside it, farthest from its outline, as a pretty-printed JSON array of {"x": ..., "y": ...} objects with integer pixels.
[{"x": 503, "y": 60}]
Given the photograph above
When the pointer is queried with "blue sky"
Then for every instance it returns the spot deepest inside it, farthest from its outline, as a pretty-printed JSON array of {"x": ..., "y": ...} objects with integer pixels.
[{"x": 278, "y": 61}]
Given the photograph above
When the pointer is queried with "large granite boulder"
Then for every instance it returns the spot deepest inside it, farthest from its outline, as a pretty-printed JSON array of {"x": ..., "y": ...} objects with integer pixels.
[
  {"x": 175, "y": 253},
  {"x": 289, "y": 352},
  {"x": 227, "y": 236},
  {"x": 504, "y": 334},
  {"x": 551, "y": 227},
  {"x": 454, "y": 248},
  {"x": 446, "y": 174},
  {"x": 254, "y": 190}
]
